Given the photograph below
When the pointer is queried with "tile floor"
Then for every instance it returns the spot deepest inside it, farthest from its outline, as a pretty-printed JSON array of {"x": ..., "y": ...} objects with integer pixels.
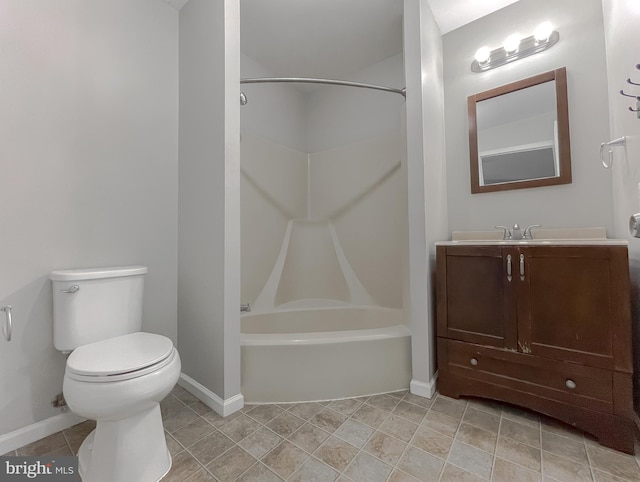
[{"x": 396, "y": 437}]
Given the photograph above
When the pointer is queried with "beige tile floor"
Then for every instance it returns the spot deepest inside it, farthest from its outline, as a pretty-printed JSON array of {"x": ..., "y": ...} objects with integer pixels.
[{"x": 396, "y": 437}]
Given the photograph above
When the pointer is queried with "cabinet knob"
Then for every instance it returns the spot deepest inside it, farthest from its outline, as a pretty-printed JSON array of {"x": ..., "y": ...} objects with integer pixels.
[
  {"x": 473, "y": 361},
  {"x": 570, "y": 384}
]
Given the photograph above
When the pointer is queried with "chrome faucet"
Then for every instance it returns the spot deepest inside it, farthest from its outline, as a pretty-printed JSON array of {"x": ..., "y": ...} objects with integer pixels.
[
  {"x": 246, "y": 308},
  {"x": 527, "y": 232},
  {"x": 507, "y": 231},
  {"x": 517, "y": 233}
]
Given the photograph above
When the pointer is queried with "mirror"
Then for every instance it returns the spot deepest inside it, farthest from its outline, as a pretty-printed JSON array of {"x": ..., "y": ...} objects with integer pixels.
[{"x": 519, "y": 134}]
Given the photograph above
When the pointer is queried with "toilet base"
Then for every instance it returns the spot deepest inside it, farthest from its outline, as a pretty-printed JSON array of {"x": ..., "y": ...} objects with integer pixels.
[{"x": 134, "y": 448}]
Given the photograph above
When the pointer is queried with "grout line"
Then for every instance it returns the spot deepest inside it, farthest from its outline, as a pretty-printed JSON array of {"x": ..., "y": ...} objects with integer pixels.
[
  {"x": 186, "y": 449},
  {"x": 361, "y": 449},
  {"x": 588, "y": 464},
  {"x": 591, "y": 467},
  {"x": 552, "y": 453},
  {"x": 66, "y": 440},
  {"x": 453, "y": 438},
  {"x": 539, "y": 447},
  {"x": 467, "y": 470},
  {"x": 283, "y": 439},
  {"x": 521, "y": 443},
  {"x": 541, "y": 450},
  {"x": 495, "y": 449}
]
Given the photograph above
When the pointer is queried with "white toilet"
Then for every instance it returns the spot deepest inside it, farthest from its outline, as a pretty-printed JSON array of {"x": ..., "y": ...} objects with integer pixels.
[{"x": 115, "y": 374}]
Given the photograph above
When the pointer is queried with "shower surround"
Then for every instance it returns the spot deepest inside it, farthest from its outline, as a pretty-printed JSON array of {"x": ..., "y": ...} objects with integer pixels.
[{"x": 324, "y": 234}]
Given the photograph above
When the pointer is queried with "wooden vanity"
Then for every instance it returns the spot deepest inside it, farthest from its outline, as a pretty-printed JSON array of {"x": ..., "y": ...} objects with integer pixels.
[{"x": 545, "y": 325}]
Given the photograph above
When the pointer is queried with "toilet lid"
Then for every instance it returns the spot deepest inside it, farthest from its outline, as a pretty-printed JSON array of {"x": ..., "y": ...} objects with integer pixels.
[{"x": 119, "y": 355}]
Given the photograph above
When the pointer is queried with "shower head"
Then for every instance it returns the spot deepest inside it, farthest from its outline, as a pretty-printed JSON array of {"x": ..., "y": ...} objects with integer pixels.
[{"x": 243, "y": 98}]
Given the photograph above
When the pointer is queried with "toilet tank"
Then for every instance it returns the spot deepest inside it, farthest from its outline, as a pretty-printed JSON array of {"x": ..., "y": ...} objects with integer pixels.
[{"x": 94, "y": 304}]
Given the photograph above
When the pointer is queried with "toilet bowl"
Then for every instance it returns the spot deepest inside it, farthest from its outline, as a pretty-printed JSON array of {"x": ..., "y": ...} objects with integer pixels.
[
  {"x": 115, "y": 373},
  {"x": 119, "y": 382}
]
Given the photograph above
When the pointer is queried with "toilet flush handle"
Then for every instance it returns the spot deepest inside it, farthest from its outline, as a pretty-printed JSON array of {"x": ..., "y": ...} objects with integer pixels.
[
  {"x": 71, "y": 289},
  {"x": 8, "y": 326}
]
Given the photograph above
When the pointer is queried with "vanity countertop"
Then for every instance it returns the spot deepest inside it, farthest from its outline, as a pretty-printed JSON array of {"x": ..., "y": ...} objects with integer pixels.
[
  {"x": 536, "y": 242},
  {"x": 593, "y": 236}
]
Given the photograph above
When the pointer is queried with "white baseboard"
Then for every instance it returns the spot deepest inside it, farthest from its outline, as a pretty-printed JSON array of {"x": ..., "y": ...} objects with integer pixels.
[
  {"x": 26, "y": 435},
  {"x": 424, "y": 389},
  {"x": 210, "y": 399},
  {"x": 38, "y": 430}
]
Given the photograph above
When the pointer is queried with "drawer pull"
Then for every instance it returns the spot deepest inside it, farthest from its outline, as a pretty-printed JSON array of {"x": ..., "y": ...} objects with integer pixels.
[
  {"x": 473, "y": 361},
  {"x": 570, "y": 384},
  {"x": 509, "y": 278}
]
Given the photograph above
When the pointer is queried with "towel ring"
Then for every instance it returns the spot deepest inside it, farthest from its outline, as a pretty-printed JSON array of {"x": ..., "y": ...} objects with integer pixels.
[
  {"x": 620, "y": 142},
  {"x": 606, "y": 166}
]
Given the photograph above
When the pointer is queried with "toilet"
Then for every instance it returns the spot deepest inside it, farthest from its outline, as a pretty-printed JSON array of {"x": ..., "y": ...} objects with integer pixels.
[{"x": 115, "y": 374}]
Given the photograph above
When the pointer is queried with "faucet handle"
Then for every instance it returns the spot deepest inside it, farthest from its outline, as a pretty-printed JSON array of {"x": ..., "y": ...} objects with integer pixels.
[
  {"x": 507, "y": 232},
  {"x": 527, "y": 232}
]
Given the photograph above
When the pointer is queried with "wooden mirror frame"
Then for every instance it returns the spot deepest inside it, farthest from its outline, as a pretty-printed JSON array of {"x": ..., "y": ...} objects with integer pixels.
[{"x": 562, "y": 116}]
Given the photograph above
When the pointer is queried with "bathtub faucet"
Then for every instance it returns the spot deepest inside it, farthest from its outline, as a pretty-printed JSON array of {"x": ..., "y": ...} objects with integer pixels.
[{"x": 245, "y": 308}]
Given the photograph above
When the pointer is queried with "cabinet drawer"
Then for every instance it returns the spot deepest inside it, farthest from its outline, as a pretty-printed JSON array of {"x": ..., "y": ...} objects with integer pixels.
[{"x": 567, "y": 382}]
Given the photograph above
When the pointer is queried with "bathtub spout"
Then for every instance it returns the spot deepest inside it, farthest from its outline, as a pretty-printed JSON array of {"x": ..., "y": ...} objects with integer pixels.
[{"x": 245, "y": 308}]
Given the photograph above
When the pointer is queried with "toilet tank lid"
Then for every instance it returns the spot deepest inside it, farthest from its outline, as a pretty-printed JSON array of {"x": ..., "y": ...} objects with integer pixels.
[{"x": 96, "y": 273}]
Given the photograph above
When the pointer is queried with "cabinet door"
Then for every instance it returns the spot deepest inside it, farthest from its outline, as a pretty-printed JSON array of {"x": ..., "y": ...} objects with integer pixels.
[
  {"x": 573, "y": 304},
  {"x": 475, "y": 296}
]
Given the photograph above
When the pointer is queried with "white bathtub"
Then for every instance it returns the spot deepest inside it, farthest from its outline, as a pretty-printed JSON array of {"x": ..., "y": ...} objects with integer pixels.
[{"x": 323, "y": 353}]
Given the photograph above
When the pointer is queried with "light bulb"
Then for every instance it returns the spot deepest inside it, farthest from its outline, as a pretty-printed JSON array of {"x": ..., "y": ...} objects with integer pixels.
[
  {"x": 543, "y": 31},
  {"x": 483, "y": 54},
  {"x": 511, "y": 43}
]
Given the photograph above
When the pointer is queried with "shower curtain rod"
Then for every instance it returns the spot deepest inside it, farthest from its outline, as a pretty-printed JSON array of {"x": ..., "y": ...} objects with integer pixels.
[{"x": 307, "y": 80}]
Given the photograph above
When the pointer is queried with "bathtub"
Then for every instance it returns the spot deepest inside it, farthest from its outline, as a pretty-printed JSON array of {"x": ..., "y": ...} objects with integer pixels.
[{"x": 323, "y": 353}]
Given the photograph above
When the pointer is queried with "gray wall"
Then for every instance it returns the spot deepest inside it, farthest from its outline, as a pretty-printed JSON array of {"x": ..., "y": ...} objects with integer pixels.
[
  {"x": 209, "y": 202},
  {"x": 588, "y": 200},
  {"x": 427, "y": 203},
  {"x": 275, "y": 111},
  {"x": 621, "y": 31},
  {"x": 89, "y": 171},
  {"x": 339, "y": 116}
]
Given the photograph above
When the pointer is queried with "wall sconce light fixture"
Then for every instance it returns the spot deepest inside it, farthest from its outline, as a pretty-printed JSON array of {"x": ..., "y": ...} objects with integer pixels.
[{"x": 515, "y": 47}]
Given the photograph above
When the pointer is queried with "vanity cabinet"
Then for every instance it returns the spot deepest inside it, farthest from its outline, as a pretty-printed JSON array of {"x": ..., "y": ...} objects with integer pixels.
[{"x": 546, "y": 327}]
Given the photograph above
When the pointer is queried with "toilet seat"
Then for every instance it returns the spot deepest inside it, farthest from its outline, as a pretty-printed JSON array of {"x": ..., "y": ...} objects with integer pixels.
[{"x": 120, "y": 358}]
